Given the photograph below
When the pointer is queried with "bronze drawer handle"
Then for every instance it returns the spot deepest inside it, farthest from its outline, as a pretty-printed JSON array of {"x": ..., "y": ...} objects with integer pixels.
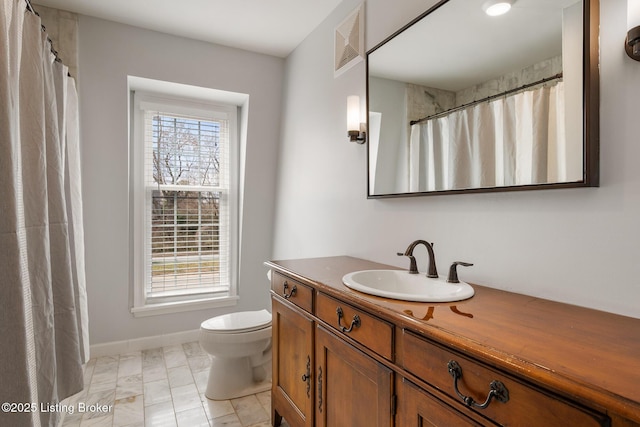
[
  {"x": 496, "y": 389},
  {"x": 290, "y": 294},
  {"x": 355, "y": 323}
]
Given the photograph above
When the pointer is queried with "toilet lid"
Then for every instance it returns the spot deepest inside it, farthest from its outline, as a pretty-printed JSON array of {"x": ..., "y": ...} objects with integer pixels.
[{"x": 243, "y": 321}]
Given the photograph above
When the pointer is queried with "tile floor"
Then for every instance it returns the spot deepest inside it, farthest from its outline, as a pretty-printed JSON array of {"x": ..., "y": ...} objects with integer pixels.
[{"x": 157, "y": 388}]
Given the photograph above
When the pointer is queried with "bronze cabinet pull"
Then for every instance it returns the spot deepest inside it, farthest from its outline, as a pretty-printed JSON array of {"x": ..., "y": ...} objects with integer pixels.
[
  {"x": 290, "y": 294},
  {"x": 497, "y": 389},
  {"x": 355, "y": 323},
  {"x": 320, "y": 388},
  {"x": 307, "y": 376}
]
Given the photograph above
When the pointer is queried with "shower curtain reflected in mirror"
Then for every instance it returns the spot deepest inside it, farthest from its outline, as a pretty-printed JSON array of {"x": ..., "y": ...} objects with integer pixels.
[
  {"x": 515, "y": 140},
  {"x": 43, "y": 314}
]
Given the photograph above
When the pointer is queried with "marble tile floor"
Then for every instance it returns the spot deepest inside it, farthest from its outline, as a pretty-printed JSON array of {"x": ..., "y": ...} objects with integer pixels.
[{"x": 157, "y": 388}]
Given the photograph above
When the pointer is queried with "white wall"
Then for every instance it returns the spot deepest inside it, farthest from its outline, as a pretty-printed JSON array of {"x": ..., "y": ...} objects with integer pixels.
[
  {"x": 108, "y": 52},
  {"x": 576, "y": 245},
  {"x": 392, "y": 174}
]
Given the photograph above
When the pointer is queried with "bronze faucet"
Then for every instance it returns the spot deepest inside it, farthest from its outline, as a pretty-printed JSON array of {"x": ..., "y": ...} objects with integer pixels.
[{"x": 413, "y": 268}]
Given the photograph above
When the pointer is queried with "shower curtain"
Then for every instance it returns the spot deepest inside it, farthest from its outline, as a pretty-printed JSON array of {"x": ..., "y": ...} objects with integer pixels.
[
  {"x": 515, "y": 140},
  {"x": 43, "y": 307}
]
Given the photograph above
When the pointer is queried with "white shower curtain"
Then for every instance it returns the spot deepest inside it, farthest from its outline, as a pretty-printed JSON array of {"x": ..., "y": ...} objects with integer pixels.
[
  {"x": 43, "y": 315},
  {"x": 515, "y": 140}
]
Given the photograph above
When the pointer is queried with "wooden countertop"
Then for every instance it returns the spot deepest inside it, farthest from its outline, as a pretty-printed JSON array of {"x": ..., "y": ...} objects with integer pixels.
[{"x": 589, "y": 355}]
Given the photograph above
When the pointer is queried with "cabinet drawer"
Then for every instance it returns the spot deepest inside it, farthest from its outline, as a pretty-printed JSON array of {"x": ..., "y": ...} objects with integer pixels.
[
  {"x": 293, "y": 291},
  {"x": 526, "y": 404},
  {"x": 368, "y": 330}
]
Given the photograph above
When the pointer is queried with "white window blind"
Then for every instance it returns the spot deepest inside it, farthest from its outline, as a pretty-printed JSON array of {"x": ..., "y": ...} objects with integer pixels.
[
  {"x": 187, "y": 202},
  {"x": 187, "y": 173}
]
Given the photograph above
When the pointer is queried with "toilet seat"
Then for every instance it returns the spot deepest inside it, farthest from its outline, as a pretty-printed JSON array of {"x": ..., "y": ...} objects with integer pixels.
[{"x": 233, "y": 323}]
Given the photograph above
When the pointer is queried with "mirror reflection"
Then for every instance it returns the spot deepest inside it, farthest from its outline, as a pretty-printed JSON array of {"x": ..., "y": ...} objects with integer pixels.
[{"x": 461, "y": 100}]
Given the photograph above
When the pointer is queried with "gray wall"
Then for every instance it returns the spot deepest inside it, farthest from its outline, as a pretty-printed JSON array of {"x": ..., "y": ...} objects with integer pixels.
[
  {"x": 108, "y": 52},
  {"x": 576, "y": 245},
  {"x": 390, "y": 102}
]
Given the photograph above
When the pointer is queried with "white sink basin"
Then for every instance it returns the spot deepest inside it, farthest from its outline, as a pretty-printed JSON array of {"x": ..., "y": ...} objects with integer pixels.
[{"x": 399, "y": 284}]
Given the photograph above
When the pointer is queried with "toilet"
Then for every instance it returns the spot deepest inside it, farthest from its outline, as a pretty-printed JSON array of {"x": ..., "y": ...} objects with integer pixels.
[{"x": 240, "y": 348}]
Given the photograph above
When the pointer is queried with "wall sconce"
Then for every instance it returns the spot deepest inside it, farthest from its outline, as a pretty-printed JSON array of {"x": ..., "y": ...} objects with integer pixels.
[
  {"x": 632, "y": 43},
  {"x": 353, "y": 120}
]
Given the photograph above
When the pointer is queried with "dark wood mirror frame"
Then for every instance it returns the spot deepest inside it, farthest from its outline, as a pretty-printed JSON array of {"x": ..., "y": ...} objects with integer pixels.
[{"x": 590, "y": 112}]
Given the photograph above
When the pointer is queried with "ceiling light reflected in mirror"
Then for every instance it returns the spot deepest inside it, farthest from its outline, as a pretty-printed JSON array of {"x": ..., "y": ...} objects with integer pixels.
[{"x": 497, "y": 7}]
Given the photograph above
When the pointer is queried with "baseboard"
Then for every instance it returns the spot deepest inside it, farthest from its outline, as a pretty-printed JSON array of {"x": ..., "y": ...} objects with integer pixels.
[{"x": 144, "y": 343}]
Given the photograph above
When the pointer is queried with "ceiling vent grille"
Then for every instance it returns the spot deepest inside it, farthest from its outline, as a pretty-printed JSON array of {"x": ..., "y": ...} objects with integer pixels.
[{"x": 349, "y": 41}]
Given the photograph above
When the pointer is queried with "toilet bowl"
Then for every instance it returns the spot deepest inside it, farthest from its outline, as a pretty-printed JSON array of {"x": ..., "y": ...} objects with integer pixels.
[{"x": 240, "y": 348}]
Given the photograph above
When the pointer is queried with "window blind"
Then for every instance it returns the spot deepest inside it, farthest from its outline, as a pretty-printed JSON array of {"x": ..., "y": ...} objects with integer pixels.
[{"x": 187, "y": 214}]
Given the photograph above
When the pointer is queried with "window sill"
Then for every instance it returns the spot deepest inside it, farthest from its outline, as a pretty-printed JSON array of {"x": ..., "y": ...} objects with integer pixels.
[{"x": 180, "y": 306}]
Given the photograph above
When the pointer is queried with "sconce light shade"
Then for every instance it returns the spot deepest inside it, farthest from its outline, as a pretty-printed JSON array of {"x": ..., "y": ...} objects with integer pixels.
[
  {"x": 353, "y": 113},
  {"x": 353, "y": 120},
  {"x": 632, "y": 42}
]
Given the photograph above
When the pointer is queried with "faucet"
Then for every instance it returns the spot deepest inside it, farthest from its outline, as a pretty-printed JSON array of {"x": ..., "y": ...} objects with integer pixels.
[
  {"x": 453, "y": 273},
  {"x": 413, "y": 268}
]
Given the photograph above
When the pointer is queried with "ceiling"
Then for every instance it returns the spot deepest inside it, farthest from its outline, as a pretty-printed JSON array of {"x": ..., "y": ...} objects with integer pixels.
[
  {"x": 273, "y": 27},
  {"x": 458, "y": 45}
]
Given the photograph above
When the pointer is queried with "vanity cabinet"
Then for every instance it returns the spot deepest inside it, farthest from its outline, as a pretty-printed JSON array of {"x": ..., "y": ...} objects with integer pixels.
[
  {"x": 318, "y": 377},
  {"x": 344, "y": 358},
  {"x": 293, "y": 360},
  {"x": 353, "y": 389}
]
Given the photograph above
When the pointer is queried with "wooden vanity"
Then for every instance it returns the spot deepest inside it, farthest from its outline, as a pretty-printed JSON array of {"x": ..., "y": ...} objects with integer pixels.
[{"x": 343, "y": 358}]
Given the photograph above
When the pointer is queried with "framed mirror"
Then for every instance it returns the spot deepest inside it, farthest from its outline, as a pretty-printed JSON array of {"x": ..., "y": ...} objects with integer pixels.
[{"x": 459, "y": 101}]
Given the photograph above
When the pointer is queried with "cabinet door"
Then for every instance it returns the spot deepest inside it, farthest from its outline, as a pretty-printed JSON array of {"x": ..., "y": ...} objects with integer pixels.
[
  {"x": 352, "y": 388},
  {"x": 417, "y": 408},
  {"x": 292, "y": 383}
]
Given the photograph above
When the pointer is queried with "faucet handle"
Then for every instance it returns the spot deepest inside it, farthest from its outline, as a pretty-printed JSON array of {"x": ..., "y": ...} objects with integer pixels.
[
  {"x": 453, "y": 272},
  {"x": 413, "y": 266}
]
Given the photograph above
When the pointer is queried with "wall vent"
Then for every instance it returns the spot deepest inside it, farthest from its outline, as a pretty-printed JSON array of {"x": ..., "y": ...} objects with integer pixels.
[{"x": 349, "y": 41}]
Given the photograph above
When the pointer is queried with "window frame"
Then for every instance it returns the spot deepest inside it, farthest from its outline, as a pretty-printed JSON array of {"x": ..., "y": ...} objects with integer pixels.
[{"x": 141, "y": 102}]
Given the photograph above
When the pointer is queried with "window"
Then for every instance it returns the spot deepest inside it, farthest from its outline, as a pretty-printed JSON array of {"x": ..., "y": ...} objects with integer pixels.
[{"x": 184, "y": 168}]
